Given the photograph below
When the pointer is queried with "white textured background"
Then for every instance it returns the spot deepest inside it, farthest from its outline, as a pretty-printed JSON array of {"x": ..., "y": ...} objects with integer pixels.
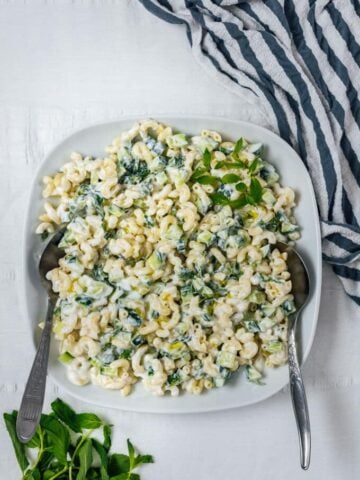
[{"x": 64, "y": 65}]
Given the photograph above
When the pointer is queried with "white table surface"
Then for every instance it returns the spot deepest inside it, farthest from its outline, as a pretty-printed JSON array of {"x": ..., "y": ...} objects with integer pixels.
[{"x": 67, "y": 64}]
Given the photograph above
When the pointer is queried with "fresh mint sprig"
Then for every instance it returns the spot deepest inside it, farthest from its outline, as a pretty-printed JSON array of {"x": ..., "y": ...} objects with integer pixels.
[
  {"x": 66, "y": 449},
  {"x": 250, "y": 195}
]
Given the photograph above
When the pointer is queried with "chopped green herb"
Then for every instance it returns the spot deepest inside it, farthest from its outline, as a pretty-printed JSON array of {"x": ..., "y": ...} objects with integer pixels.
[
  {"x": 197, "y": 173},
  {"x": 84, "y": 300},
  {"x": 230, "y": 178},
  {"x": 256, "y": 190},
  {"x": 219, "y": 198},
  {"x": 239, "y": 202},
  {"x": 207, "y": 159},
  {"x": 174, "y": 378},
  {"x": 239, "y": 145},
  {"x": 254, "y": 165},
  {"x": 186, "y": 274},
  {"x": 208, "y": 180},
  {"x": 241, "y": 187},
  {"x": 230, "y": 165}
]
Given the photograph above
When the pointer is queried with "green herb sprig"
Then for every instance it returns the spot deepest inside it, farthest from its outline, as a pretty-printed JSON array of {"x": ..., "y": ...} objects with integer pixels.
[
  {"x": 250, "y": 195},
  {"x": 66, "y": 449}
]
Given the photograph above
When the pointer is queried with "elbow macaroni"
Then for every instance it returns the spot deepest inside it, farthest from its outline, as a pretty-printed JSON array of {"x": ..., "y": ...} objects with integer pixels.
[{"x": 161, "y": 282}]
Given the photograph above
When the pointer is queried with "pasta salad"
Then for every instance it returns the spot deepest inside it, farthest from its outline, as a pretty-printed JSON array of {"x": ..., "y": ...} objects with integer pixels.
[{"x": 170, "y": 274}]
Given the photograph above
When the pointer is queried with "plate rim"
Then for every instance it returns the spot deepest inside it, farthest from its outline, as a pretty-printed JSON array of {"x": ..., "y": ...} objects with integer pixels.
[{"x": 162, "y": 117}]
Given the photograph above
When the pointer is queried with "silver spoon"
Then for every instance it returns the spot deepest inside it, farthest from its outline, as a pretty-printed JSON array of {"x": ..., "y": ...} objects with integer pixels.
[
  {"x": 300, "y": 290},
  {"x": 32, "y": 402}
]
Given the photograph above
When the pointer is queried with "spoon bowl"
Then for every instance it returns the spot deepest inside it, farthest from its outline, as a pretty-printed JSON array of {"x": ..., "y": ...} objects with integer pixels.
[
  {"x": 299, "y": 275},
  {"x": 50, "y": 259}
]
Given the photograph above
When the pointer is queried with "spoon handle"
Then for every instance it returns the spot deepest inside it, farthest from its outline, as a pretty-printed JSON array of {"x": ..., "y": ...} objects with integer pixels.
[
  {"x": 32, "y": 402},
  {"x": 299, "y": 402}
]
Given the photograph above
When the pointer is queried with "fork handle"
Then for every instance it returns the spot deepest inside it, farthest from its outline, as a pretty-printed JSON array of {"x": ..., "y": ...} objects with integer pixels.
[
  {"x": 299, "y": 402},
  {"x": 32, "y": 401}
]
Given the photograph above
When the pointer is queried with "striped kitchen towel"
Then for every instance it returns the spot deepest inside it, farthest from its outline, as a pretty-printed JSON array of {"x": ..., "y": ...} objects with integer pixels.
[{"x": 300, "y": 60}]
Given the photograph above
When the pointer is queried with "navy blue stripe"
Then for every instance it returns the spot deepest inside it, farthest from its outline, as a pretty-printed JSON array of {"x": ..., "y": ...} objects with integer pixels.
[
  {"x": 209, "y": 12},
  {"x": 311, "y": 61},
  {"x": 353, "y": 228},
  {"x": 347, "y": 272},
  {"x": 313, "y": 66},
  {"x": 343, "y": 242},
  {"x": 356, "y": 5},
  {"x": 268, "y": 92},
  {"x": 221, "y": 70},
  {"x": 246, "y": 8},
  {"x": 344, "y": 30},
  {"x": 300, "y": 139},
  {"x": 303, "y": 92},
  {"x": 219, "y": 42},
  {"x": 351, "y": 156},
  {"x": 159, "y": 12},
  {"x": 356, "y": 299},
  {"x": 278, "y": 11},
  {"x": 197, "y": 16},
  {"x": 248, "y": 53},
  {"x": 348, "y": 210},
  {"x": 340, "y": 260},
  {"x": 166, "y": 4},
  {"x": 338, "y": 67},
  {"x": 293, "y": 104}
]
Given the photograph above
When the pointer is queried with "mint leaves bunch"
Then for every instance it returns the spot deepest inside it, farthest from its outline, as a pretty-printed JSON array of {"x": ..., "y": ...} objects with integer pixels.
[
  {"x": 66, "y": 449},
  {"x": 249, "y": 195}
]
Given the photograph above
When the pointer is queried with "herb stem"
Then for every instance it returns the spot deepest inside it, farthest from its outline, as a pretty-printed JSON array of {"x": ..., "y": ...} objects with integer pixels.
[
  {"x": 41, "y": 450},
  {"x": 82, "y": 440},
  {"x": 38, "y": 457},
  {"x": 59, "y": 473}
]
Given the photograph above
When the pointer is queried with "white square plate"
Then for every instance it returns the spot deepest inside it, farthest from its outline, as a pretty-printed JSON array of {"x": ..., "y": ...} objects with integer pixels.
[{"x": 237, "y": 391}]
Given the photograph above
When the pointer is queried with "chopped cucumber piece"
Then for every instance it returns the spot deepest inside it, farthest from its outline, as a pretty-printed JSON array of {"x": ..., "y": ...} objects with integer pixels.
[
  {"x": 66, "y": 358},
  {"x": 177, "y": 140},
  {"x": 115, "y": 210},
  {"x": 252, "y": 326},
  {"x": 253, "y": 375},
  {"x": 265, "y": 250},
  {"x": 257, "y": 297},
  {"x": 287, "y": 227},
  {"x": 268, "y": 197},
  {"x": 268, "y": 310},
  {"x": 109, "y": 371},
  {"x": 156, "y": 260},
  {"x": 174, "y": 232},
  {"x": 289, "y": 307},
  {"x": 227, "y": 360},
  {"x": 205, "y": 237},
  {"x": 274, "y": 347}
]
